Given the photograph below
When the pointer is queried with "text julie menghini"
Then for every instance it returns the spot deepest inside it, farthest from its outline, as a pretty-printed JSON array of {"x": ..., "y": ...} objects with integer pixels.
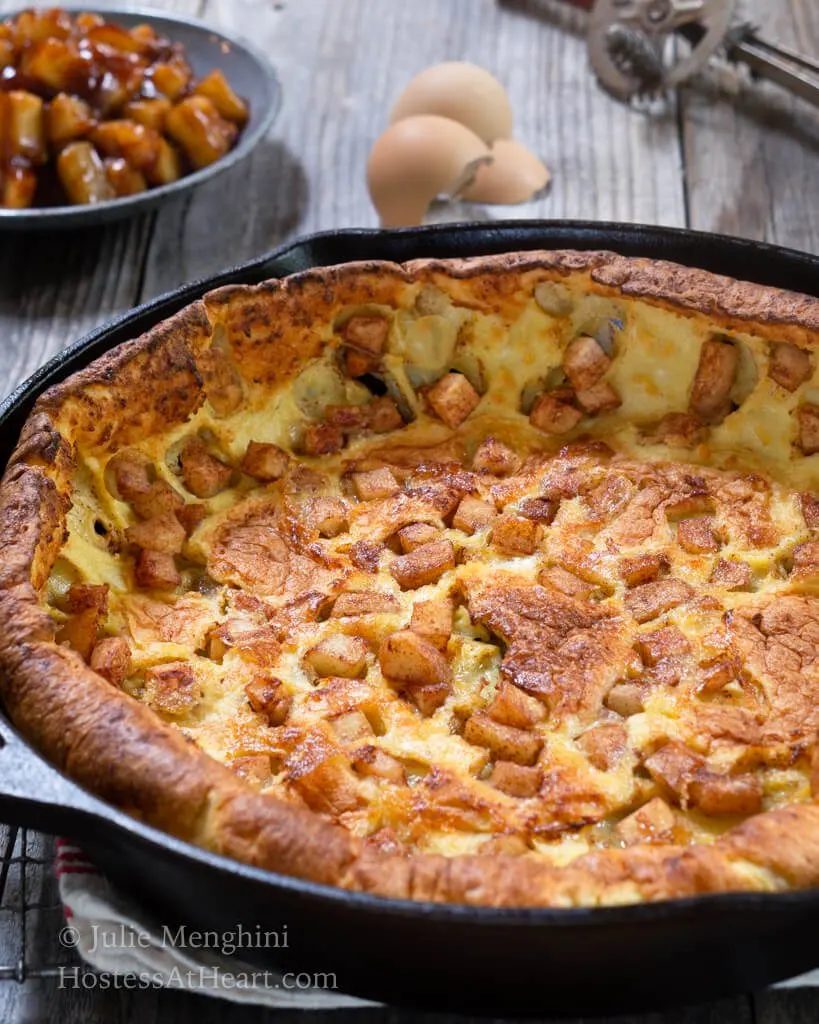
[{"x": 120, "y": 936}]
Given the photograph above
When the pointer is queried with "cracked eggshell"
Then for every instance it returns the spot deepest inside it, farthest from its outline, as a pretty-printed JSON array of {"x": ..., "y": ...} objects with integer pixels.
[
  {"x": 514, "y": 176},
  {"x": 462, "y": 92},
  {"x": 416, "y": 160}
]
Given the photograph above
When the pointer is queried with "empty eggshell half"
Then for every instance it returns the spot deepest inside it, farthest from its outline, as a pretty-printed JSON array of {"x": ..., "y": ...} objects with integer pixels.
[
  {"x": 462, "y": 92},
  {"x": 514, "y": 176},
  {"x": 416, "y": 160}
]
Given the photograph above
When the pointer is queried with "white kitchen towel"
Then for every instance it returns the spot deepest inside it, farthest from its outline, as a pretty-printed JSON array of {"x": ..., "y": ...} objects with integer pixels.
[{"x": 115, "y": 937}]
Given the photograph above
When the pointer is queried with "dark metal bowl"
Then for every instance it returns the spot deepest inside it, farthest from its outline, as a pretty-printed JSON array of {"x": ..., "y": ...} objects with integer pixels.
[
  {"x": 248, "y": 72},
  {"x": 540, "y": 963}
]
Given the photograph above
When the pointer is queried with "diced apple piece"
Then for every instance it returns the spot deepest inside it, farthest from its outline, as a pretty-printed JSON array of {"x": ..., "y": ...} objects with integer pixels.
[
  {"x": 149, "y": 113},
  {"x": 368, "y": 602},
  {"x": 172, "y": 689},
  {"x": 653, "y": 599},
  {"x": 604, "y": 745},
  {"x": 511, "y": 706},
  {"x": 809, "y": 505},
  {"x": 554, "y": 415},
  {"x": 161, "y": 533},
  {"x": 254, "y": 768},
  {"x": 696, "y": 536},
  {"x": 659, "y": 644},
  {"x": 626, "y": 699},
  {"x": 127, "y": 139},
  {"x": 111, "y": 658},
  {"x": 424, "y": 565},
  {"x": 156, "y": 571},
  {"x": 370, "y": 760},
  {"x": 566, "y": 582},
  {"x": 326, "y": 515},
  {"x": 365, "y": 338},
  {"x": 539, "y": 510},
  {"x": 473, "y": 515},
  {"x": 166, "y": 168},
  {"x": 351, "y": 727},
  {"x": 515, "y": 779},
  {"x": 679, "y": 430},
  {"x": 585, "y": 362},
  {"x": 339, "y": 655},
  {"x": 191, "y": 515},
  {"x": 453, "y": 399},
  {"x": 218, "y": 90},
  {"x": 642, "y": 568},
  {"x": 322, "y": 439},
  {"x": 808, "y": 420},
  {"x": 25, "y": 127},
  {"x": 82, "y": 174},
  {"x": 789, "y": 365},
  {"x": 504, "y": 741},
  {"x": 268, "y": 697},
  {"x": 653, "y": 822},
  {"x": 383, "y": 415},
  {"x": 265, "y": 462},
  {"x": 407, "y": 659},
  {"x": 196, "y": 125},
  {"x": 514, "y": 535},
  {"x": 491, "y": 456},
  {"x": 599, "y": 398},
  {"x": 733, "y": 574},
  {"x": 714, "y": 380},
  {"x": 373, "y": 484},
  {"x": 203, "y": 474},
  {"x": 346, "y": 417},
  {"x": 125, "y": 180},
  {"x": 416, "y": 535},
  {"x": 432, "y": 620}
]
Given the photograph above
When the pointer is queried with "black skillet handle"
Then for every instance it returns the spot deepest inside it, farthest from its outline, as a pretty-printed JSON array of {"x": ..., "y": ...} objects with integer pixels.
[{"x": 34, "y": 794}]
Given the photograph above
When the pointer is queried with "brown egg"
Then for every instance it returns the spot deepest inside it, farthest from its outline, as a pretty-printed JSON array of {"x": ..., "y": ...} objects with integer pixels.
[
  {"x": 514, "y": 176},
  {"x": 462, "y": 92},
  {"x": 416, "y": 160}
]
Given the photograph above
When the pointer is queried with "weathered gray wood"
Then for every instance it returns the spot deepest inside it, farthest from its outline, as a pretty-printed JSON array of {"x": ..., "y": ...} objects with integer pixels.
[
  {"x": 751, "y": 150},
  {"x": 342, "y": 64},
  {"x": 788, "y": 1006},
  {"x": 37, "y": 1005}
]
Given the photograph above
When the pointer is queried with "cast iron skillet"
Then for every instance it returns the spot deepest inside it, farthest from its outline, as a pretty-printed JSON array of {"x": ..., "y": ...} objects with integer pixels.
[{"x": 543, "y": 963}]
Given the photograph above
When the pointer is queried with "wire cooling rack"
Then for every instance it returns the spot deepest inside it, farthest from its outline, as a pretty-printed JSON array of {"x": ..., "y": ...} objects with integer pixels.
[{"x": 31, "y": 913}]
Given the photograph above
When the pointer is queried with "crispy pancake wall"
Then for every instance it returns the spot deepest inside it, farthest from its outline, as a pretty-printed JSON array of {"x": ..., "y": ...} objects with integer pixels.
[{"x": 488, "y": 581}]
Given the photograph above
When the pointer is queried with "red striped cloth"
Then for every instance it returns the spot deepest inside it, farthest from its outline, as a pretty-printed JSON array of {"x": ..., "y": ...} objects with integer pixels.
[{"x": 116, "y": 937}]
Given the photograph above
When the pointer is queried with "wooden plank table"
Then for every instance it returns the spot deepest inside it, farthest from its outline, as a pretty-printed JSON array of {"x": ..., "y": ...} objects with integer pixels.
[{"x": 729, "y": 156}]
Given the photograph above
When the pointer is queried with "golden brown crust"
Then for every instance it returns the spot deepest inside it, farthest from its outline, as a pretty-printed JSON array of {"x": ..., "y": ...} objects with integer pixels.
[
  {"x": 123, "y": 751},
  {"x": 137, "y": 389},
  {"x": 734, "y": 304}
]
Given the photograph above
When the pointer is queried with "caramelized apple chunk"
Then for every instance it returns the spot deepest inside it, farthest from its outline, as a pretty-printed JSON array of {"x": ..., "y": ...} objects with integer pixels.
[
  {"x": 156, "y": 570},
  {"x": 453, "y": 399},
  {"x": 423, "y": 565},
  {"x": 339, "y": 655},
  {"x": 554, "y": 415},
  {"x": 111, "y": 658},
  {"x": 204, "y": 475}
]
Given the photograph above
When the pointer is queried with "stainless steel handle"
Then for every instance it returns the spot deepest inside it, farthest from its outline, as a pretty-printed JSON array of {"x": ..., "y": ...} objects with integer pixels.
[{"x": 794, "y": 72}]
